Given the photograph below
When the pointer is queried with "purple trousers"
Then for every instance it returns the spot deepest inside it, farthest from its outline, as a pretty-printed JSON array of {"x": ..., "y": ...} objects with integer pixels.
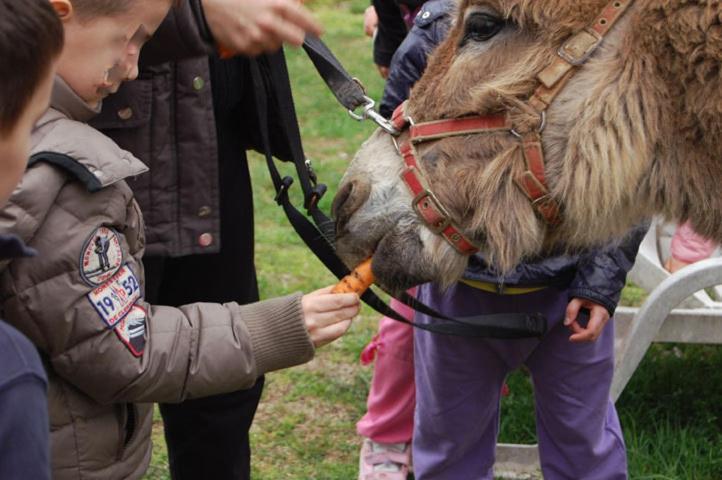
[{"x": 459, "y": 380}]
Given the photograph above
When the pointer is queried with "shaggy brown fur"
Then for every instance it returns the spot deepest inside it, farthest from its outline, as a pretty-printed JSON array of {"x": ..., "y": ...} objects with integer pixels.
[{"x": 636, "y": 132}]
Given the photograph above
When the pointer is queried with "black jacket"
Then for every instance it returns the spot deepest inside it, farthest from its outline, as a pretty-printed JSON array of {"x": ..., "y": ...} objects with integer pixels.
[{"x": 167, "y": 119}]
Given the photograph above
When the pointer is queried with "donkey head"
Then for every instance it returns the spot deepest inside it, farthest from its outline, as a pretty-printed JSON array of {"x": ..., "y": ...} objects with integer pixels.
[{"x": 600, "y": 140}]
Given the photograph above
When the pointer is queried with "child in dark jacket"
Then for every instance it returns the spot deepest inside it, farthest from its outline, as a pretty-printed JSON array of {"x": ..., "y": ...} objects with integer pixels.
[
  {"x": 459, "y": 380},
  {"x": 31, "y": 39}
]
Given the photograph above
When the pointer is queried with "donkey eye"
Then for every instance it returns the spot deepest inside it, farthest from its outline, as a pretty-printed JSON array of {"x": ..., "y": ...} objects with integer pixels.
[{"x": 481, "y": 27}]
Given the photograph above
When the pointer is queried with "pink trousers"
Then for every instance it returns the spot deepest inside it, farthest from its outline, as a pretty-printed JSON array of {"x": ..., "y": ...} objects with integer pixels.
[
  {"x": 688, "y": 246},
  {"x": 390, "y": 406}
]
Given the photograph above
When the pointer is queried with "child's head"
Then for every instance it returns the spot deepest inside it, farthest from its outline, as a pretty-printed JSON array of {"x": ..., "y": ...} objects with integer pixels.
[
  {"x": 31, "y": 38},
  {"x": 102, "y": 40}
]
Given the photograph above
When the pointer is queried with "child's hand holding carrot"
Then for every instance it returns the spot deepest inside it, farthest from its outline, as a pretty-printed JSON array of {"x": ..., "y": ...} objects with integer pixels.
[
  {"x": 328, "y": 315},
  {"x": 328, "y": 312}
]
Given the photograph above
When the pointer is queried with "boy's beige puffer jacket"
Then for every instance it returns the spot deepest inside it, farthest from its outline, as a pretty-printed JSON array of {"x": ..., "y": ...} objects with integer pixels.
[{"x": 109, "y": 354}]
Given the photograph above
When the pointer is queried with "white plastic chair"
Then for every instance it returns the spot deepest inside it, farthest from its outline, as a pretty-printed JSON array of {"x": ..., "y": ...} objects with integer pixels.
[{"x": 678, "y": 309}]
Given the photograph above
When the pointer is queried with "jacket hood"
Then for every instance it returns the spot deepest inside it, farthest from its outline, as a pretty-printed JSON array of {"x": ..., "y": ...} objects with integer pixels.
[{"x": 62, "y": 139}]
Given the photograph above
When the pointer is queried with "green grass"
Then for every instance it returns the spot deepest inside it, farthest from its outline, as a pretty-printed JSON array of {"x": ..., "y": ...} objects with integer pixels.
[{"x": 305, "y": 427}]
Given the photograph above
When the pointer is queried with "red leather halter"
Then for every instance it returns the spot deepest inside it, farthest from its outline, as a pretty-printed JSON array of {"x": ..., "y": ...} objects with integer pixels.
[
  {"x": 425, "y": 203},
  {"x": 570, "y": 57}
]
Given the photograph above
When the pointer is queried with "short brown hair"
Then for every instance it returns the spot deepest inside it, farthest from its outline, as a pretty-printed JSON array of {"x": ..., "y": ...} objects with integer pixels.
[
  {"x": 88, "y": 9},
  {"x": 31, "y": 38}
]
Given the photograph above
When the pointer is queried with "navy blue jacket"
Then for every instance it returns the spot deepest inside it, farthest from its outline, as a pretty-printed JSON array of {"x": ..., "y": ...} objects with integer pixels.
[
  {"x": 598, "y": 275},
  {"x": 24, "y": 424}
]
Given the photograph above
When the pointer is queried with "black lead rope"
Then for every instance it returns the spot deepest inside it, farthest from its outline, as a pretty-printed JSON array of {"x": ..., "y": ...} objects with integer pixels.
[
  {"x": 347, "y": 91},
  {"x": 316, "y": 237}
]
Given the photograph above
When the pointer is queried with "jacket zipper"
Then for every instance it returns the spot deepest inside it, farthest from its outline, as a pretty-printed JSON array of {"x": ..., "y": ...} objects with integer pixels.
[{"x": 128, "y": 427}]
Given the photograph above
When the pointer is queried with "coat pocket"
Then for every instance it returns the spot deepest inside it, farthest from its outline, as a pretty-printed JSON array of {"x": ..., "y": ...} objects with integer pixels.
[{"x": 128, "y": 426}]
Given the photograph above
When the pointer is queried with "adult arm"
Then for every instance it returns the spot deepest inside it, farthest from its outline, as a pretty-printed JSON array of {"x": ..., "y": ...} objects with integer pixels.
[
  {"x": 183, "y": 34},
  {"x": 390, "y": 32},
  {"x": 243, "y": 27}
]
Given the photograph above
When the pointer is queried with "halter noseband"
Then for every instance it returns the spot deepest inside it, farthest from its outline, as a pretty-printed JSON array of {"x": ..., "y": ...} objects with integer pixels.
[{"x": 532, "y": 182}]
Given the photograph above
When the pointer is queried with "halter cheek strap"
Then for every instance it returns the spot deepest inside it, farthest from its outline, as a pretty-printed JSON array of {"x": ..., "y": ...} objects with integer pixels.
[
  {"x": 428, "y": 207},
  {"x": 425, "y": 203},
  {"x": 570, "y": 57}
]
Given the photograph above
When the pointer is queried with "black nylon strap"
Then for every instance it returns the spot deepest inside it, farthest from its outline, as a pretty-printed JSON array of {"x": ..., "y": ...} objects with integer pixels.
[
  {"x": 314, "y": 240},
  {"x": 280, "y": 84},
  {"x": 512, "y": 325},
  {"x": 347, "y": 91}
]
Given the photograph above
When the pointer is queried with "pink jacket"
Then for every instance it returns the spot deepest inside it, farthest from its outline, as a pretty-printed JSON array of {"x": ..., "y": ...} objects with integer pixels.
[{"x": 688, "y": 246}]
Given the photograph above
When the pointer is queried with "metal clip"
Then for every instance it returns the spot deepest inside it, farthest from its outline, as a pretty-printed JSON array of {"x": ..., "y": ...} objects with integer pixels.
[
  {"x": 370, "y": 114},
  {"x": 311, "y": 172},
  {"x": 540, "y": 128}
]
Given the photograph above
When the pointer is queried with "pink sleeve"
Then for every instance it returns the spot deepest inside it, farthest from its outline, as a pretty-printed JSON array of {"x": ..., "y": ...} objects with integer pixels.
[{"x": 688, "y": 246}]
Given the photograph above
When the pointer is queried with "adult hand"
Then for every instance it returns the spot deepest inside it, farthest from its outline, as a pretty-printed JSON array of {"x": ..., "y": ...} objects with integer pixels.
[
  {"x": 598, "y": 318},
  {"x": 371, "y": 21},
  {"x": 328, "y": 315},
  {"x": 252, "y": 27}
]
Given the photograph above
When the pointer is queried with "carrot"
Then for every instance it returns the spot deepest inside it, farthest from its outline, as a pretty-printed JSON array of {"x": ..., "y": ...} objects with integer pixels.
[
  {"x": 224, "y": 52},
  {"x": 358, "y": 281}
]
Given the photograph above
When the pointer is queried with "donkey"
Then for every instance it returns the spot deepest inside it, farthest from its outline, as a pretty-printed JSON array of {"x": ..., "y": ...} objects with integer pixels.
[{"x": 584, "y": 118}]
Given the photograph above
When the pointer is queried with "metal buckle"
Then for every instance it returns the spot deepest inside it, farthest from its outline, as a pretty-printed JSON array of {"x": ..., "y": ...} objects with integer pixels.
[
  {"x": 544, "y": 199},
  {"x": 540, "y": 128},
  {"x": 311, "y": 172},
  {"x": 370, "y": 114},
  {"x": 547, "y": 201},
  {"x": 436, "y": 228},
  {"x": 589, "y": 47}
]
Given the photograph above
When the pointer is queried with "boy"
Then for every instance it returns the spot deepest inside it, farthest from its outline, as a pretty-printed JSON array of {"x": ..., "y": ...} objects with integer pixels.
[
  {"x": 197, "y": 199},
  {"x": 31, "y": 38},
  {"x": 108, "y": 353}
]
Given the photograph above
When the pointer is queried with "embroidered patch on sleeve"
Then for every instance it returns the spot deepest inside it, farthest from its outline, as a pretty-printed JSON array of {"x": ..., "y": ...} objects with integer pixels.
[
  {"x": 116, "y": 297},
  {"x": 131, "y": 330},
  {"x": 102, "y": 256}
]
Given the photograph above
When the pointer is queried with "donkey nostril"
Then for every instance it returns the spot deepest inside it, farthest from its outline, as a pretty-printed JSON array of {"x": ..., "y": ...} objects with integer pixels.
[
  {"x": 349, "y": 199},
  {"x": 341, "y": 197}
]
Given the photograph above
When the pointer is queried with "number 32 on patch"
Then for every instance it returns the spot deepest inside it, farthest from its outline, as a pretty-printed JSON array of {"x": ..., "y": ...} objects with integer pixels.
[{"x": 115, "y": 298}]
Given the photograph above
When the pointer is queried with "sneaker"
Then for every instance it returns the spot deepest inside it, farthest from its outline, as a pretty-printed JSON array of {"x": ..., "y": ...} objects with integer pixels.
[{"x": 384, "y": 461}]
